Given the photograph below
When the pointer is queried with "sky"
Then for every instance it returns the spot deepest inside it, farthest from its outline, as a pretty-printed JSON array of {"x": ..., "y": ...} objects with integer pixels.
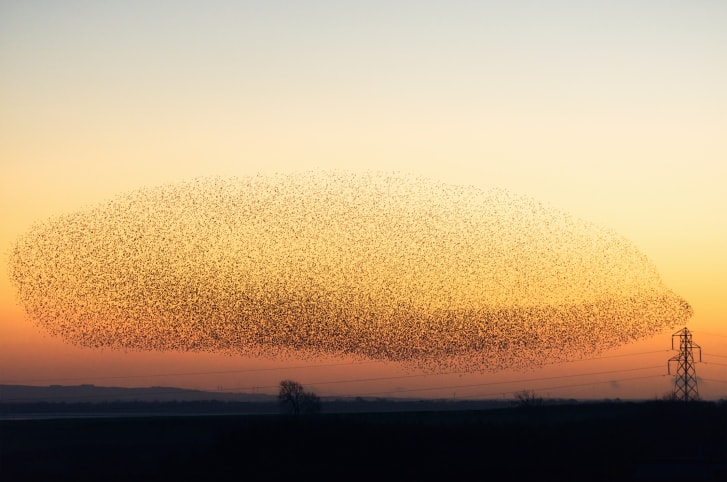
[{"x": 614, "y": 112}]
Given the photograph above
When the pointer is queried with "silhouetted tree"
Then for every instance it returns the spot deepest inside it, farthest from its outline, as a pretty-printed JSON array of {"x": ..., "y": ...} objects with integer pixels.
[
  {"x": 294, "y": 400},
  {"x": 528, "y": 398}
]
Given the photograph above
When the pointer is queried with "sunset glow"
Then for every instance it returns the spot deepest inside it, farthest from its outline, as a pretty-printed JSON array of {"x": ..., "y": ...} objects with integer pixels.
[{"x": 467, "y": 157}]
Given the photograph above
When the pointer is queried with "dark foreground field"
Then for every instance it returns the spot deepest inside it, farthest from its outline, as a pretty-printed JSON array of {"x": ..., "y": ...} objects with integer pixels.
[{"x": 620, "y": 441}]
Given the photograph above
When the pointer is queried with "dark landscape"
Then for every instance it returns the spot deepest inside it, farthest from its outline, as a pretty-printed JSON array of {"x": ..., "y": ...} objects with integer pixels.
[{"x": 414, "y": 440}]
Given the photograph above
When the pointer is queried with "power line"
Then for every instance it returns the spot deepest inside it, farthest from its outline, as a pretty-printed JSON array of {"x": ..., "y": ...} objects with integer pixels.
[
  {"x": 418, "y": 375},
  {"x": 182, "y": 374},
  {"x": 397, "y": 377},
  {"x": 505, "y": 382},
  {"x": 558, "y": 387},
  {"x": 710, "y": 334},
  {"x": 353, "y": 380},
  {"x": 712, "y": 380},
  {"x": 296, "y": 367}
]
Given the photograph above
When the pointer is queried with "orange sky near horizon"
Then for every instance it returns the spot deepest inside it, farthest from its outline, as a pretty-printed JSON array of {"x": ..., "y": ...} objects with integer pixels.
[{"x": 612, "y": 113}]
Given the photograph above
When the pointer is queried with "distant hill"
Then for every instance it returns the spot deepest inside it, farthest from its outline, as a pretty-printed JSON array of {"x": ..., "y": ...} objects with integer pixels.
[
  {"x": 58, "y": 399},
  {"x": 94, "y": 394}
]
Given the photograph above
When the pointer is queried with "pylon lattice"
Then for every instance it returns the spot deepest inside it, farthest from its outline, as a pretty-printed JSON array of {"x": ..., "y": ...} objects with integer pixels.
[{"x": 685, "y": 381}]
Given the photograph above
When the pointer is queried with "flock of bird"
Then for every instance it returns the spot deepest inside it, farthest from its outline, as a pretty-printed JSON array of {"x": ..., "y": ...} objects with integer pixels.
[{"x": 374, "y": 266}]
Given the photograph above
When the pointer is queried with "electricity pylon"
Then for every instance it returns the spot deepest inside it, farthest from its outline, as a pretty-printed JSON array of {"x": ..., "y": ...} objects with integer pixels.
[{"x": 685, "y": 382}]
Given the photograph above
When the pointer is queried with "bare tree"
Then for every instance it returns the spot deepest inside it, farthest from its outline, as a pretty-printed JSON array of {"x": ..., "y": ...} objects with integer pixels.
[
  {"x": 294, "y": 400},
  {"x": 528, "y": 398}
]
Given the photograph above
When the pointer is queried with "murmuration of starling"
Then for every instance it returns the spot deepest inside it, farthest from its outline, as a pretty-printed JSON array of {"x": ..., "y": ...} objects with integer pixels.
[{"x": 371, "y": 266}]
